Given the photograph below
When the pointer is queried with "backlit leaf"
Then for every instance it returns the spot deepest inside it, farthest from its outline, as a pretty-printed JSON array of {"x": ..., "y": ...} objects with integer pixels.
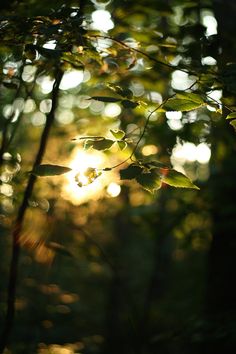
[
  {"x": 101, "y": 144},
  {"x": 190, "y": 97},
  {"x": 231, "y": 115},
  {"x": 180, "y": 104},
  {"x": 176, "y": 179},
  {"x": 118, "y": 134},
  {"x": 122, "y": 144}
]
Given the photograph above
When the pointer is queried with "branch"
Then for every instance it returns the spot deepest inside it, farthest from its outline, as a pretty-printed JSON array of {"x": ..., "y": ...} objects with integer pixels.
[{"x": 123, "y": 44}]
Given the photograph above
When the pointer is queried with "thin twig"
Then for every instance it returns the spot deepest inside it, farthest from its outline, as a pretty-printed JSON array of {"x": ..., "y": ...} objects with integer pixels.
[{"x": 135, "y": 50}]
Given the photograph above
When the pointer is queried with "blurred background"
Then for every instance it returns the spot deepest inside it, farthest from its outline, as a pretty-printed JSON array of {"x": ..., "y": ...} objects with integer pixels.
[{"x": 110, "y": 268}]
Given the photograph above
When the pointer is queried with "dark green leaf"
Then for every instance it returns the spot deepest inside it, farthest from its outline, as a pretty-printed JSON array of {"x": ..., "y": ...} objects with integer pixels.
[
  {"x": 150, "y": 180},
  {"x": 50, "y": 170},
  {"x": 132, "y": 171},
  {"x": 129, "y": 104},
  {"x": 124, "y": 92},
  {"x": 10, "y": 85},
  {"x": 105, "y": 99}
]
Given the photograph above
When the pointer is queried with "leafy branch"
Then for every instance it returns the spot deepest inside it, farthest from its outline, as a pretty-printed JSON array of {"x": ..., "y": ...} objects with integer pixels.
[{"x": 150, "y": 175}]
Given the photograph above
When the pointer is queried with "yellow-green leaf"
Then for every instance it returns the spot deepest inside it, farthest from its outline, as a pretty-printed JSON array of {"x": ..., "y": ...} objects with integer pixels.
[
  {"x": 176, "y": 179},
  {"x": 231, "y": 115},
  {"x": 122, "y": 144},
  {"x": 99, "y": 144},
  {"x": 118, "y": 134},
  {"x": 180, "y": 104}
]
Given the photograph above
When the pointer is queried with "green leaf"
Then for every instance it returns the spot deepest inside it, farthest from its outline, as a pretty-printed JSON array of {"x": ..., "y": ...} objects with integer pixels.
[
  {"x": 118, "y": 134},
  {"x": 132, "y": 171},
  {"x": 105, "y": 99},
  {"x": 122, "y": 144},
  {"x": 231, "y": 115},
  {"x": 49, "y": 170},
  {"x": 101, "y": 144},
  {"x": 150, "y": 180},
  {"x": 190, "y": 97},
  {"x": 233, "y": 123},
  {"x": 129, "y": 104},
  {"x": 176, "y": 179},
  {"x": 179, "y": 104}
]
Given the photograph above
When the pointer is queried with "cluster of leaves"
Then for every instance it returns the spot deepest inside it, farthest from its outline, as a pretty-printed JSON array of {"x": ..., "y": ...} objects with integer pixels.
[
  {"x": 102, "y": 143},
  {"x": 153, "y": 175}
]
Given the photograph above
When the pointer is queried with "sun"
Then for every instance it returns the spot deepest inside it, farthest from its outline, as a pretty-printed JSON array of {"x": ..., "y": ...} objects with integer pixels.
[{"x": 87, "y": 181}]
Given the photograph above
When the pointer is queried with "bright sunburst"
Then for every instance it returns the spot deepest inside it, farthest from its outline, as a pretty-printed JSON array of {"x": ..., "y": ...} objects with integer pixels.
[{"x": 85, "y": 181}]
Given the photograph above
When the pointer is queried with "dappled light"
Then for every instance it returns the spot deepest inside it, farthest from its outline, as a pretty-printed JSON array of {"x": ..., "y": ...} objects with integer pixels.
[
  {"x": 102, "y": 20},
  {"x": 117, "y": 177}
]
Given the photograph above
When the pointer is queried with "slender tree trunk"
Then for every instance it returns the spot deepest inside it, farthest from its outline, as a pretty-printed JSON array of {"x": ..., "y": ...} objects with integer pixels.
[{"x": 11, "y": 295}]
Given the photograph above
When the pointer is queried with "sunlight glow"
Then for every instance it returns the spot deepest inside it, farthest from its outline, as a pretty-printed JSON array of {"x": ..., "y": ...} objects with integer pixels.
[
  {"x": 208, "y": 61},
  {"x": 112, "y": 110},
  {"x": 210, "y": 23},
  {"x": 87, "y": 165},
  {"x": 102, "y": 20},
  {"x": 50, "y": 45},
  {"x": 215, "y": 95},
  {"x": 181, "y": 80},
  {"x": 71, "y": 79},
  {"x": 149, "y": 150},
  {"x": 189, "y": 152},
  {"x": 113, "y": 189},
  {"x": 174, "y": 120},
  {"x": 46, "y": 83}
]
